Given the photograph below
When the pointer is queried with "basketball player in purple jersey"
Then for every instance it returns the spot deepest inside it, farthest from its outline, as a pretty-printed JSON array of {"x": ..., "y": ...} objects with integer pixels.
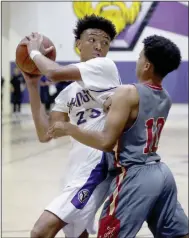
[
  {"x": 144, "y": 188},
  {"x": 86, "y": 185}
]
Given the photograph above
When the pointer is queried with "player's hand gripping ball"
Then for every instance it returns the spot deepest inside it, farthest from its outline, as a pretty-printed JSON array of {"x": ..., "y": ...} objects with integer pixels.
[{"x": 33, "y": 42}]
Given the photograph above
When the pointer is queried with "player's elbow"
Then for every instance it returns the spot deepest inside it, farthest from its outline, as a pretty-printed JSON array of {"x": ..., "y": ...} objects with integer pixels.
[
  {"x": 44, "y": 139},
  {"x": 107, "y": 146},
  {"x": 56, "y": 74},
  {"x": 52, "y": 75}
]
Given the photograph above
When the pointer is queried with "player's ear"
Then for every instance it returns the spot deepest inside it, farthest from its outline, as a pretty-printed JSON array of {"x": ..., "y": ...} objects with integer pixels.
[
  {"x": 78, "y": 44},
  {"x": 147, "y": 65}
]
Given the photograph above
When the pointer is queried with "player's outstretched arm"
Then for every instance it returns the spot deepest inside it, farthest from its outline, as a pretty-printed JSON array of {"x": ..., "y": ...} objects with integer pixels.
[
  {"x": 124, "y": 99},
  {"x": 41, "y": 120}
]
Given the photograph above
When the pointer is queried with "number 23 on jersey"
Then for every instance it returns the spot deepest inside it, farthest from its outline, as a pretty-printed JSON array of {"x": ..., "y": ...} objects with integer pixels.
[{"x": 93, "y": 113}]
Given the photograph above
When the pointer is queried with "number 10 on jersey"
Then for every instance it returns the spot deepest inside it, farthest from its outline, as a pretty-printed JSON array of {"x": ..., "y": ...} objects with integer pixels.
[{"x": 153, "y": 132}]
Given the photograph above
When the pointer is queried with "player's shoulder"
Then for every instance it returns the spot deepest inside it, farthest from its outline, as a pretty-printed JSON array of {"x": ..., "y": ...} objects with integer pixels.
[
  {"x": 127, "y": 88},
  {"x": 103, "y": 61},
  {"x": 168, "y": 97},
  {"x": 128, "y": 92},
  {"x": 167, "y": 94}
]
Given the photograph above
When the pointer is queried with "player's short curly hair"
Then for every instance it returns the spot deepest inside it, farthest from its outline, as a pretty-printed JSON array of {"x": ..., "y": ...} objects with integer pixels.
[
  {"x": 162, "y": 53},
  {"x": 94, "y": 22}
]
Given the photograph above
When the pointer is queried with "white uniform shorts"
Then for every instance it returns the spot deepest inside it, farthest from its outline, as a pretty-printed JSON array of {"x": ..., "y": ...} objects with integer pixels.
[{"x": 79, "y": 201}]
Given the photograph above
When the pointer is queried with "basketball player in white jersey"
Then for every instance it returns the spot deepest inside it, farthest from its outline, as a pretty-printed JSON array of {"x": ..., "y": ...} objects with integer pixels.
[{"x": 74, "y": 210}]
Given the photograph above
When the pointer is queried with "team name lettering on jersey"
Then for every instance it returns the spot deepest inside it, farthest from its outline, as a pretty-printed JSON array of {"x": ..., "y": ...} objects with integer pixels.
[{"x": 81, "y": 98}]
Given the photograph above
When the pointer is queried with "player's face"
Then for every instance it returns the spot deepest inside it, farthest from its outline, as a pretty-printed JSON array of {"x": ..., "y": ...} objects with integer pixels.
[
  {"x": 143, "y": 66},
  {"x": 93, "y": 43}
]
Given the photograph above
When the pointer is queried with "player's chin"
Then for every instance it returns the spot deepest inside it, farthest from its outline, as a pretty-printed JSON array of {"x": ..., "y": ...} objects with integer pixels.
[{"x": 95, "y": 56}]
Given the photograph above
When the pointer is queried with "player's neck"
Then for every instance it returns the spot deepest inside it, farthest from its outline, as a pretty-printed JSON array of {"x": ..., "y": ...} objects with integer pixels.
[
  {"x": 83, "y": 60},
  {"x": 154, "y": 81}
]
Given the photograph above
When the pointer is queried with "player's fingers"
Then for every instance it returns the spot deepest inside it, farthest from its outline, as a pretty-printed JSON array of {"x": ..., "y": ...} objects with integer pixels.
[
  {"x": 107, "y": 104},
  {"x": 34, "y": 36},
  {"x": 50, "y": 131},
  {"x": 34, "y": 33},
  {"x": 48, "y": 50},
  {"x": 58, "y": 126},
  {"x": 28, "y": 76},
  {"x": 31, "y": 37},
  {"x": 39, "y": 36},
  {"x": 50, "y": 135},
  {"x": 28, "y": 38},
  {"x": 25, "y": 41},
  {"x": 54, "y": 136},
  {"x": 24, "y": 74}
]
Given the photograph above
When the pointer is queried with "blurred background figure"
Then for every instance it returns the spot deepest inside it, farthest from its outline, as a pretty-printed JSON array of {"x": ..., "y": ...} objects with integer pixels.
[
  {"x": 17, "y": 87},
  {"x": 47, "y": 90},
  {"x": 60, "y": 86},
  {"x": 2, "y": 84}
]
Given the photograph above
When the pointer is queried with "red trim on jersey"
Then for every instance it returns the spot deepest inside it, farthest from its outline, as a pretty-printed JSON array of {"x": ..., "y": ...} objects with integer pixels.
[
  {"x": 118, "y": 183},
  {"x": 154, "y": 86},
  {"x": 116, "y": 164},
  {"x": 110, "y": 200},
  {"x": 109, "y": 225},
  {"x": 119, "y": 188}
]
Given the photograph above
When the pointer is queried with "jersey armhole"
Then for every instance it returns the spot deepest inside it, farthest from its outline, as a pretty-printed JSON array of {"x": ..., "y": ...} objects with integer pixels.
[{"x": 139, "y": 111}]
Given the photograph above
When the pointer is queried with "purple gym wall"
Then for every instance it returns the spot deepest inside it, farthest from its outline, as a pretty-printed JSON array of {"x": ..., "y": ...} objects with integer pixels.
[
  {"x": 176, "y": 83},
  {"x": 165, "y": 17}
]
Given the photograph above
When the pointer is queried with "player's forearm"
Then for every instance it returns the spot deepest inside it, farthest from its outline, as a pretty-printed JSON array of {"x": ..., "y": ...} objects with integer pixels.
[
  {"x": 40, "y": 117},
  {"x": 46, "y": 66},
  {"x": 54, "y": 71},
  {"x": 97, "y": 140}
]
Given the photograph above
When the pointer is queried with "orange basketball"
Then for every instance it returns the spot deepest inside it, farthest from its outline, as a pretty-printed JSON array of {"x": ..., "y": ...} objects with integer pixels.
[{"x": 25, "y": 63}]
